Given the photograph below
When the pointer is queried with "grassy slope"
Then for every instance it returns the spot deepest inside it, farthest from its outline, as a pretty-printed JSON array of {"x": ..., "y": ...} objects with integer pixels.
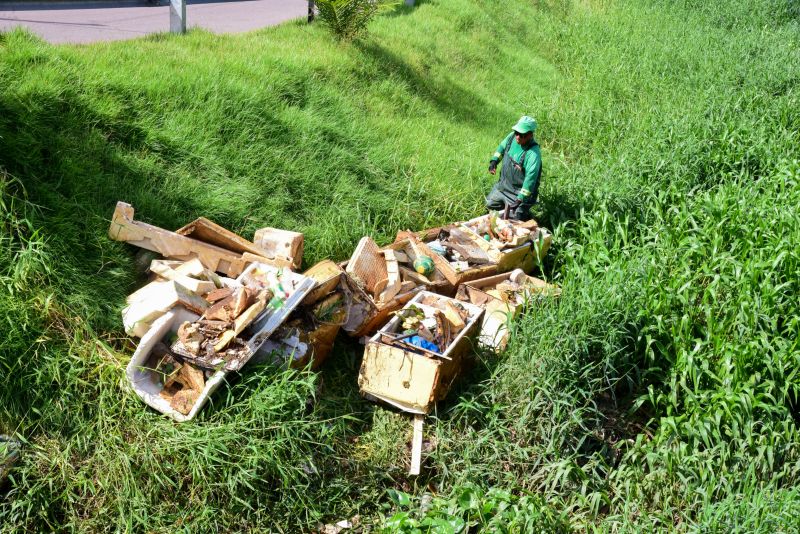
[{"x": 670, "y": 136}]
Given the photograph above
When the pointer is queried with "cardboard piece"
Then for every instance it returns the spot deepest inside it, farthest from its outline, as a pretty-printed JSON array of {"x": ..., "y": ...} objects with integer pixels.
[
  {"x": 407, "y": 379},
  {"x": 170, "y": 244}
]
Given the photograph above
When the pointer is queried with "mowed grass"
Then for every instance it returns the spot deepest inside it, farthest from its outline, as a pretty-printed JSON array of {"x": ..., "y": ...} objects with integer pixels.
[{"x": 660, "y": 392}]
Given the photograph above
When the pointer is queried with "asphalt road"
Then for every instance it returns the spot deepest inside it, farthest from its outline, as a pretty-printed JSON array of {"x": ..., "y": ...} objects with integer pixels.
[{"x": 92, "y": 21}]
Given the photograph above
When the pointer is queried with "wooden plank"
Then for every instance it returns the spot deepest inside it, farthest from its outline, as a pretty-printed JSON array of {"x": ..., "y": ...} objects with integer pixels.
[
  {"x": 171, "y": 245},
  {"x": 367, "y": 264},
  {"x": 394, "y": 282},
  {"x": 240, "y": 323},
  {"x": 414, "y": 276},
  {"x": 210, "y": 232},
  {"x": 201, "y": 287},
  {"x": 327, "y": 276},
  {"x": 416, "y": 445}
]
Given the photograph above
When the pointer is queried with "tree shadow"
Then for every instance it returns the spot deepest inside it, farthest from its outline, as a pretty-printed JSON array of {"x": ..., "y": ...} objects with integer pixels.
[
  {"x": 447, "y": 95},
  {"x": 403, "y": 9}
]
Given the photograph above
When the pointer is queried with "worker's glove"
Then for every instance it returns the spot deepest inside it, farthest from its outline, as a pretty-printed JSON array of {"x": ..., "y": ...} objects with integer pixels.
[
  {"x": 514, "y": 205},
  {"x": 492, "y": 166}
]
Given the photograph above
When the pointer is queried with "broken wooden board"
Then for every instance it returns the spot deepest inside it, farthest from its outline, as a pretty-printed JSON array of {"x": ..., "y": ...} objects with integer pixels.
[
  {"x": 240, "y": 323},
  {"x": 367, "y": 264},
  {"x": 201, "y": 287},
  {"x": 210, "y": 232},
  {"x": 154, "y": 300},
  {"x": 280, "y": 245},
  {"x": 327, "y": 274},
  {"x": 170, "y": 244},
  {"x": 393, "y": 281},
  {"x": 407, "y": 379}
]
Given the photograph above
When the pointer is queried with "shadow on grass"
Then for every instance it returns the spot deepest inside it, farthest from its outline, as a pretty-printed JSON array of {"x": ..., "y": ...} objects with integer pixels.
[
  {"x": 403, "y": 9},
  {"x": 446, "y": 95}
]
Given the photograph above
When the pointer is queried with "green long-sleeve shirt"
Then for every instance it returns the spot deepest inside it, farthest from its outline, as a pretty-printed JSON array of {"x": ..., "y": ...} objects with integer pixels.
[{"x": 532, "y": 164}]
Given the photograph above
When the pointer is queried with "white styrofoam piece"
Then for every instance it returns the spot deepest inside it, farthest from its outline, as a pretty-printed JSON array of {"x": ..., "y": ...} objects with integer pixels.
[
  {"x": 145, "y": 382},
  {"x": 279, "y": 351}
]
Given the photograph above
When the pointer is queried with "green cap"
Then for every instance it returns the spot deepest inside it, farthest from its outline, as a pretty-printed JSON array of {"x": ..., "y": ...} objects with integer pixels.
[{"x": 525, "y": 124}]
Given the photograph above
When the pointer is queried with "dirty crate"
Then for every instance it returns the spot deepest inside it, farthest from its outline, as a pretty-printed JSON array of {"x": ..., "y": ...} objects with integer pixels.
[
  {"x": 149, "y": 384},
  {"x": 410, "y": 379},
  {"x": 524, "y": 256},
  {"x": 436, "y": 282},
  {"x": 500, "y": 306},
  {"x": 365, "y": 275}
]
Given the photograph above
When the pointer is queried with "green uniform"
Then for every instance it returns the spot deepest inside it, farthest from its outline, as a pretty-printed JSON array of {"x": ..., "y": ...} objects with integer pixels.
[{"x": 519, "y": 177}]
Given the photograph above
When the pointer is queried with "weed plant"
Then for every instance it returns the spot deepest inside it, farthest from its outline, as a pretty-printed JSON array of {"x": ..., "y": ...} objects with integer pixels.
[{"x": 660, "y": 392}]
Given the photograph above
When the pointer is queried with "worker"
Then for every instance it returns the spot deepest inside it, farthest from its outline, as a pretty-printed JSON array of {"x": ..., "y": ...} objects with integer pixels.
[{"x": 520, "y": 174}]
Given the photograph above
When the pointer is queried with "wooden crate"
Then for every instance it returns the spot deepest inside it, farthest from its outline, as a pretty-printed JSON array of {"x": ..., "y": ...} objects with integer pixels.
[
  {"x": 454, "y": 277},
  {"x": 364, "y": 273},
  {"x": 365, "y": 316},
  {"x": 408, "y": 380},
  {"x": 438, "y": 281},
  {"x": 525, "y": 256},
  {"x": 499, "y": 313}
]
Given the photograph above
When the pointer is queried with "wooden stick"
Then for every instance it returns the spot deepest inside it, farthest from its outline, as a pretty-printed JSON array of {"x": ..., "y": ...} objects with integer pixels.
[{"x": 416, "y": 445}]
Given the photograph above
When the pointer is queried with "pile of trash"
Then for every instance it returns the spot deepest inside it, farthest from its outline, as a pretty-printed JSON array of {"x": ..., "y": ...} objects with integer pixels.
[{"x": 216, "y": 301}]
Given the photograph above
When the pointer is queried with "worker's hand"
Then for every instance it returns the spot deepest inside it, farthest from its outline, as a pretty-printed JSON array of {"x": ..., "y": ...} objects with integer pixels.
[
  {"x": 514, "y": 205},
  {"x": 493, "y": 166}
]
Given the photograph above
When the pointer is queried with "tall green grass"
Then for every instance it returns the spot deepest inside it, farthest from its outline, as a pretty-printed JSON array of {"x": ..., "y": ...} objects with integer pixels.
[{"x": 660, "y": 392}]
